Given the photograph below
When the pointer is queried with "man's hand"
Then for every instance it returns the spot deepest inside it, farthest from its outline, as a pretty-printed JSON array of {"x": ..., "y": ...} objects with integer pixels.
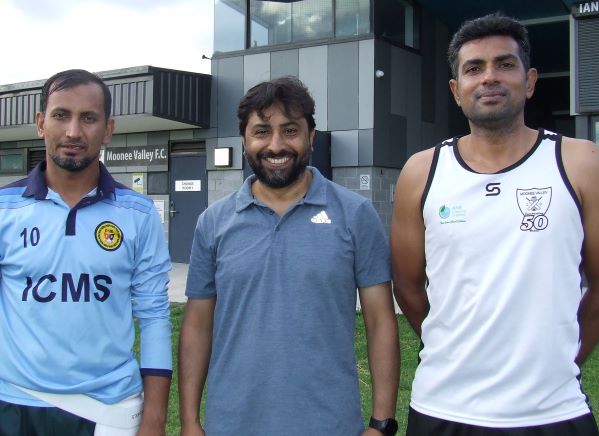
[
  {"x": 147, "y": 429},
  {"x": 194, "y": 429}
]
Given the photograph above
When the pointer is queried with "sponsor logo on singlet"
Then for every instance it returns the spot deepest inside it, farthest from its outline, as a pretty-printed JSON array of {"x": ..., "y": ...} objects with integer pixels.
[
  {"x": 534, "y": 203},
  {"x": 452, "y": 214},
  {"x": 109, "y": 236}
]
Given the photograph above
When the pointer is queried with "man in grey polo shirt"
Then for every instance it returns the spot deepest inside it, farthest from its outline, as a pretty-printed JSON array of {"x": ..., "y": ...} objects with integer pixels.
[{"x": 272, "y": 292}]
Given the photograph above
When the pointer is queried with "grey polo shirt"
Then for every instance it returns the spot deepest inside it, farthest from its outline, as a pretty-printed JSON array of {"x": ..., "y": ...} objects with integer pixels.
[{"x": 283, "y": 357}]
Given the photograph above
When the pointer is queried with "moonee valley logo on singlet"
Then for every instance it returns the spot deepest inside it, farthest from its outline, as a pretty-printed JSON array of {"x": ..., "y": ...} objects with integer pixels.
[{"x": 533, "y": 204}]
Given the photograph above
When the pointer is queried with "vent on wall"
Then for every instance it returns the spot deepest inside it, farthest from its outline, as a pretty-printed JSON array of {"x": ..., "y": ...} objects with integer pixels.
[
  {"x": 587, "y": 65},
  {"x": 188, "y": 147},
  {"x": 35, "y": 157}
]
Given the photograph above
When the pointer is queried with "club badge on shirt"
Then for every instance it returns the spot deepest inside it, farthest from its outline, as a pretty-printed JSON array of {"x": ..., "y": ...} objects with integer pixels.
[
  {"x": 109, "y": 236},
  {"x": 533, "y": 203}
]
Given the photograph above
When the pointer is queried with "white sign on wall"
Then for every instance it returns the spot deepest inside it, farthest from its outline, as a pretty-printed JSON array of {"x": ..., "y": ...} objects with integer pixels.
[
  {"x": 364, "y": 182},
  {"x": 137, "y": 182},
  {"x": 188, "y": 185}
]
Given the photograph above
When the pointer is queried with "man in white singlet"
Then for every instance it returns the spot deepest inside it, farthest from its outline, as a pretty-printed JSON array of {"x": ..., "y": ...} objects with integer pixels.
[{"x": 490, "y": 234}]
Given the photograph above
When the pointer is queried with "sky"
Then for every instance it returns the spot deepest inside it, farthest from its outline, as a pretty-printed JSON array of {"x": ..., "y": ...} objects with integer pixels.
[{"x": 43, "y": 37}]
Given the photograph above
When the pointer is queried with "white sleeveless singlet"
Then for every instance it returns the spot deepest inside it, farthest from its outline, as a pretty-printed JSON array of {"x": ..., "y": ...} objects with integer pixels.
[{"x": 503, "y": 255}]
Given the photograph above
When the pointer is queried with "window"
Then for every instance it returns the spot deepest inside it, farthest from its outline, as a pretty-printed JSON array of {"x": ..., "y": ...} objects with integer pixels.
[
  {"x": 279, "y": 23},
  {"x": 352, "y": 17},
  {"x": 229, "y": 25},
  {"x": 12, "y": 162},
  {"x": 157, "y": 183},
  {"x": 398, "y": 21},
  {"x": 273, "y": 22}
]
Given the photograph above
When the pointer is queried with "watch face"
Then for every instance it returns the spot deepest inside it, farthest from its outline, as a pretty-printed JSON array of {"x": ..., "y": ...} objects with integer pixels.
[
  {"x": 388, "y": 426},
  {"x": 391, "y": 427}
]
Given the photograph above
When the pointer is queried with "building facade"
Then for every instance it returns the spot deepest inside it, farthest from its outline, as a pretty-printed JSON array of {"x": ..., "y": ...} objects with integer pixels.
[{"x": 377, "y": 71}]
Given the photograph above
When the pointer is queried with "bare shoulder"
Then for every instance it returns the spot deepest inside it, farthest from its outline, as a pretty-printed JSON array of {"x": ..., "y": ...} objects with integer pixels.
[
  {"x": 581, "y": 162},
  {"x": 575, "y": 145},
  {"x": 415, "y": 172},
  {"x": 411, "y": 183}
]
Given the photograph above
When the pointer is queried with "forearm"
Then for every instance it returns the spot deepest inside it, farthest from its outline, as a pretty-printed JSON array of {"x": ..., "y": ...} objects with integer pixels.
[
  {"x": 588, "y": 316},
  {"x": 383, "y": 359},
  {"x": 156, "y": 392},
  {"x": 414, "y": 306},
  {"x": 194, "y": 357}
]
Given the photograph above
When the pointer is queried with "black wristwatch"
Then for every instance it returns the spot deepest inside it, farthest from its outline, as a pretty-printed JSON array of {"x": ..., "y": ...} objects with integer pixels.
[{"x": 387, "y": 426}]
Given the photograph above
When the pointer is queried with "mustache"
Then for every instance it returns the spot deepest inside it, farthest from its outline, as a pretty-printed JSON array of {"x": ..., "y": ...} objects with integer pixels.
[{"x": 490, "y": 90}]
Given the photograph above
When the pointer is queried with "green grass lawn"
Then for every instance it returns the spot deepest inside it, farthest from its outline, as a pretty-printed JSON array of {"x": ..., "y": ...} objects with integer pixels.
[{"x": 409, "y": 350}]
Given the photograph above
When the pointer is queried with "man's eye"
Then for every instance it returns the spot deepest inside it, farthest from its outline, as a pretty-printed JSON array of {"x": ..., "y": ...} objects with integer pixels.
[
  {"x": 507, "y": 65},
  {"x": 472, "y": 70},
  {"x": 59, "y": 115},
  {"x": 89, "y": 118},
  {"x": 290, "y": 131}
]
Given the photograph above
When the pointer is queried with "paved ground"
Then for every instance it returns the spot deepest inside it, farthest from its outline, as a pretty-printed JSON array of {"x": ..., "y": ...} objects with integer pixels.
[{"x": 176, "y": 287}]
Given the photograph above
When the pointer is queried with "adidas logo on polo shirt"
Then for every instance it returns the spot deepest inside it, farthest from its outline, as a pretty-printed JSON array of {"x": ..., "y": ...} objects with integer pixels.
[{"x": 321, "y": 218}]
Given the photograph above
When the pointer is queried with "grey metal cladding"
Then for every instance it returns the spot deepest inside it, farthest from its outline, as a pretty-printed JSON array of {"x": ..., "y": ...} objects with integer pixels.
[
  {"x": 182, "y": 96},
  {"x": 284, "y": 63},
  {"x": 365, "y": 147},
  {"x": 389, "y": 135},
  {"x": 391, "y": 148},
  {"x": 256, "y": 69},
  {"x": 343, "y": 85},
  {"x": 214, "y": 94},
  {"x": 587, "y": 65},
  {"x": 19, "y": 109},
  {"x": 230, "y": 90},
  {"x": 344, "y": 148},
  {"x": 366, "y": 86},
  {"x": 427, "y": 84},
  {"x": 313, "y": 72}
]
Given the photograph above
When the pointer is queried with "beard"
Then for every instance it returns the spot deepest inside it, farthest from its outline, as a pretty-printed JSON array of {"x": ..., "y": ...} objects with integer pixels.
[
  {"x": 279, "y": 178},
  {"x": 500, "y": 118},
  {"x": 73, "y": 165}
]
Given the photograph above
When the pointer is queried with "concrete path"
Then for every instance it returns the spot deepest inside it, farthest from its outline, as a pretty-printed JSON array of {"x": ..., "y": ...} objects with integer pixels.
[{"x": 176, "y": 287}]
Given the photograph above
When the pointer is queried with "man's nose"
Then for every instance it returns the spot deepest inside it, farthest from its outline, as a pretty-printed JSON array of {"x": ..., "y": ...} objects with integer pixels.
[
  {"x": 489, "y": 75},
  {"x": 277, "y": 142},
  {"x": 74, "y": 129}
]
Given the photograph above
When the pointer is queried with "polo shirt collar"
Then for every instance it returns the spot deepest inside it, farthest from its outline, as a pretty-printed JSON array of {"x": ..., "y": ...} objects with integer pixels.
[
  {"x": 37, "y": 187},
  {"x": 316, "y": 194}
]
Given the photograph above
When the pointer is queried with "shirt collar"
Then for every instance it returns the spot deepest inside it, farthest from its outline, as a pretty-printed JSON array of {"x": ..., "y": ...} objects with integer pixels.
[
  {"x": 37, "y": 187},
  {"x": 316, "y": 194}
]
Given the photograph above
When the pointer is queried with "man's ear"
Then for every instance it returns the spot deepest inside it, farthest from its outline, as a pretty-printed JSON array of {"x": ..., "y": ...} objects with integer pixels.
[
  {"x": 531, "y": 80},
  {"x": 453, "y": 85},
  {"x": 109, "y": 131},
  {"x": 39, "y": 122}
]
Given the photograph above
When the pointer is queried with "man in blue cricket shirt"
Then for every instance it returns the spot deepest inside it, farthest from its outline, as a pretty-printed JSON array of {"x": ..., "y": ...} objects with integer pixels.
[
  {"x": 272, "y": 282},
  {"x": 80, "y": 256}
]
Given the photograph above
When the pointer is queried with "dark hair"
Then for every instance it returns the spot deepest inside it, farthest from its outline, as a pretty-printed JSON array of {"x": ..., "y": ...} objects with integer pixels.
[
  {"x": 495, "y": 24},
  {"x": 71, "y": 78},
  {"x": 288, "y": 91}
]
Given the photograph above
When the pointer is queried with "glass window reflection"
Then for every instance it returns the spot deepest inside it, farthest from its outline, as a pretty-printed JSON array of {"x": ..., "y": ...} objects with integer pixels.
[
  {"x": 398, "y": 21},
  {"x": 229, "y": 25},
  {"x": 352, "y": 17},
  {"x": 11, "y": 162},
  {"x": 280, "y": 23}
]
